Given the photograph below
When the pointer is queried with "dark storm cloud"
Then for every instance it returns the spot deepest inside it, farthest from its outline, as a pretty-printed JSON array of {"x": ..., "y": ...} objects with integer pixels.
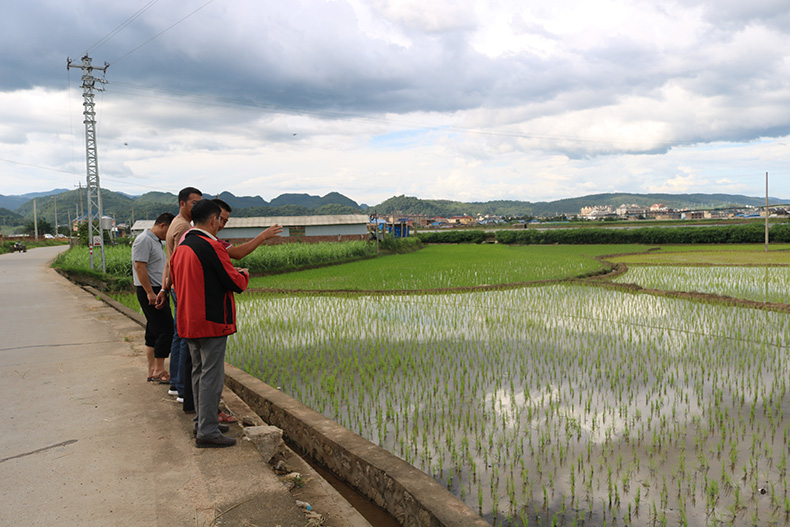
[
  {"x": 311, "y": 59},
  {"x": 316, "y": 57},
  {"x": 739, "y": 13}
]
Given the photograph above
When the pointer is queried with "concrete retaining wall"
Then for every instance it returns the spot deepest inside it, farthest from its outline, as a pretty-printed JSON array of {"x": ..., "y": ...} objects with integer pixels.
[{"x": 410, "y": 495}]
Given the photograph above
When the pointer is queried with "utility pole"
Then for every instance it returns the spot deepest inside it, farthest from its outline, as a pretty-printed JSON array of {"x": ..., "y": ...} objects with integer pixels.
[
  {"x": 95, "y": 233},
  {"x": 766, "y": 212},
  {"x": 35, "y": 220},
  {"x": 56, "y": 215}
]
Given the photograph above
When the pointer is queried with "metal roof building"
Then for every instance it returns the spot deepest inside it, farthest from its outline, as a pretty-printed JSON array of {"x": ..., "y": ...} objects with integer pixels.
[{"x": 336, "y": 226}]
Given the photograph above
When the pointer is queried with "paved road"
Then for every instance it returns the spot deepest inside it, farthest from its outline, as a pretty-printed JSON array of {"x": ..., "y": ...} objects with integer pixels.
[{"x": 86, "y": 440}]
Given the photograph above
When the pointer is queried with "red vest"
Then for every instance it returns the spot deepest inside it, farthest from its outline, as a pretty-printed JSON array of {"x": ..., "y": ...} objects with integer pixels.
[{"x": 205, "y": 280}]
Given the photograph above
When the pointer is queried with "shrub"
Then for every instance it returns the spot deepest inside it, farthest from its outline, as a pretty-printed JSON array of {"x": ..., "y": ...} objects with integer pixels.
[
  {"x": 453, "y": 236},
  {"x": 751, "y": 233},
  {"x": 400, "y": 245},
  {"x": 290, "y": 256},
  {"x": 780, "y": 233}
]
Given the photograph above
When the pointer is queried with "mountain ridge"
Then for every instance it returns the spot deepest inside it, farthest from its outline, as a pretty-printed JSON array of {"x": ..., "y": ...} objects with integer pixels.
[{"x": 125, "y": 208}]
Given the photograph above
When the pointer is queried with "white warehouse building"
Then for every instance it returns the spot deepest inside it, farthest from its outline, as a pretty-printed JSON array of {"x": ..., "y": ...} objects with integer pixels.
[{"x": 336, "y": 227}]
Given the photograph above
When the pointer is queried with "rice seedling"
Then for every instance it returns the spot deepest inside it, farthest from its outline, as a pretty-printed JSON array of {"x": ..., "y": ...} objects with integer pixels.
[
  {"x": 761, "y": 284},
  {"x": 300, "y": 255},
  {"x": 583, "y": 394}
]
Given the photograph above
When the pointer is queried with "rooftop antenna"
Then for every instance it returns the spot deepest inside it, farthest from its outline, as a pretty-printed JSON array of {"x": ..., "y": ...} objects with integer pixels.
[{"x": 95, "y": 232}]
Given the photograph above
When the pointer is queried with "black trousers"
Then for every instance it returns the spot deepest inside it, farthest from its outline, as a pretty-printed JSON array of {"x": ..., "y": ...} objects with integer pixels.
[{"x": 158, "y": 325}]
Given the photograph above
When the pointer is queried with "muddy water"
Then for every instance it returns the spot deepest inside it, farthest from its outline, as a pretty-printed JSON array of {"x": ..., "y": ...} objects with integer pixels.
[{"x": 374, "y": 514}]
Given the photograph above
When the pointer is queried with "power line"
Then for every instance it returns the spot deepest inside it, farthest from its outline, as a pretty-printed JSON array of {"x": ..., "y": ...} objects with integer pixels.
[
  {"x": 71, "y": 122},
  {"x": 160, "y": 33},
  {"x": 120, "y": 28},
  {"x": 37, "y": 166}
]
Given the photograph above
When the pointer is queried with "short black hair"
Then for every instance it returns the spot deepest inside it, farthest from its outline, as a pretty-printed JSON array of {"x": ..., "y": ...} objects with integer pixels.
[
  {"x": 222, "y": 205},
  {"x": 186, "y": 192},
  {"x": 203, "y": 210},
  {"x": 165, "y": 217}
]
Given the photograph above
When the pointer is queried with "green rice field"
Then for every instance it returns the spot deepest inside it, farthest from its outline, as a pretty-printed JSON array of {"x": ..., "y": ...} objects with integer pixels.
[
  {"x": 450, "y": 266},
  {"x": 761, "y": 284},
  {"x": 733, "y": 254}
]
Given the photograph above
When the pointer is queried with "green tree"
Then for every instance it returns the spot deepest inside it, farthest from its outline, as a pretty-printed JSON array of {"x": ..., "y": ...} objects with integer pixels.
[
  {"x": 44, "y": 227},
  {"x": 82, "y": 233}
]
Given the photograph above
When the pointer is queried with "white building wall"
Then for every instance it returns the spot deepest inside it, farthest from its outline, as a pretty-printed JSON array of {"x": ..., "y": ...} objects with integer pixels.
[
  {"x": 245, "y": 232},
  {"x": 335, "y": 230},
  {"x": 243, "y": 227}
]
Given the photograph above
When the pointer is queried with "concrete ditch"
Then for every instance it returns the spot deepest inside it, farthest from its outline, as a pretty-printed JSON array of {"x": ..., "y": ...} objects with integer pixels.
[{"x": 408, "y": 494}]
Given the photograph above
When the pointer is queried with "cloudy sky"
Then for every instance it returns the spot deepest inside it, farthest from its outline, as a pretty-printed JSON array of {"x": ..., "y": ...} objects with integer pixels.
[{"x": 468, "y": 99}]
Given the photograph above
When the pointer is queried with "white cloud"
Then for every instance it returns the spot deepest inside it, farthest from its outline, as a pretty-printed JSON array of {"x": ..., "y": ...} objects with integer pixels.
[
  {"x": 681, "y": 183},
  {"x": 473, "y": 99},
  {"x": 436, "y": 16}
]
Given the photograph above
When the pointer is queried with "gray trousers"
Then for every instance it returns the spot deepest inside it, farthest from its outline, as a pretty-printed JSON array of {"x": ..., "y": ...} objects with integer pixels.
[{"x": 208, "y": 377}]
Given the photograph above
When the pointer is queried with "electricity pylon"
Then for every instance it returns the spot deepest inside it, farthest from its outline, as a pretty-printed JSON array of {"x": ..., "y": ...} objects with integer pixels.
[{"x": 95, "y": 233}]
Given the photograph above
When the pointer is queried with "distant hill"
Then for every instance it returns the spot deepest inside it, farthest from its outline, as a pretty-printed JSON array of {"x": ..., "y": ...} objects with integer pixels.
[
  {"x": 127, "y": 209},
  {"x": 673, "y": 201},
  {"x": 409, "y": 205},
  {"x": 8, "y": 217},
  {"x": 243, "y": 202},
  {"x": 336, "y": 198},
  {"x": 14, "y": 202},
  {"x": 295, "y": 210},
  {"x": 156, "y": 197},
  {"x": 313, "y": 202},
  {"x": 71, "y": 205}
]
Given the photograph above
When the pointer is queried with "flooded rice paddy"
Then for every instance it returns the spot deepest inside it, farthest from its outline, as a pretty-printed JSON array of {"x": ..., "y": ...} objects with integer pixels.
[
  {"x": 761, "y": 284},
  {"x": 553, "y": 405}
]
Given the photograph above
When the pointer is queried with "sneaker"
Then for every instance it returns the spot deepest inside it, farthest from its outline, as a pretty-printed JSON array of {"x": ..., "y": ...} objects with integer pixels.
[
  {"x": 172, "y": 391},
  {"x": 179, "y": 399},
  {"x": 220, "y": 441}
]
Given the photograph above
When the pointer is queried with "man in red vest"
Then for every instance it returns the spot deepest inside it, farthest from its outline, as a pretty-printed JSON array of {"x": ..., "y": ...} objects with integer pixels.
[{"x": 205, "y": 280}]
